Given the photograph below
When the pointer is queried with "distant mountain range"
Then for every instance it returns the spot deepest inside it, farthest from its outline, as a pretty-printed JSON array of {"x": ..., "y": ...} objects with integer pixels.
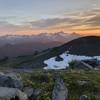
[
  {"x": 16, "y": 45},
  {"x": 87, "y": 47},
  {"x": 43, "y": 37}
]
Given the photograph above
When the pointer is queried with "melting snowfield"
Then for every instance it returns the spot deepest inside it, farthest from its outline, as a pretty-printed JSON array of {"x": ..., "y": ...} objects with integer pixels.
[{"x": 53, "y": 64}]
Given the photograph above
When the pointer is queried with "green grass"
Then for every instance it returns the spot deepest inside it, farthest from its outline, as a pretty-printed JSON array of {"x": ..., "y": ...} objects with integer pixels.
[
  {"x": 17, "y": 61},
  {"x": 24, "y": 60},
  {"x": 45, "y": 81}
]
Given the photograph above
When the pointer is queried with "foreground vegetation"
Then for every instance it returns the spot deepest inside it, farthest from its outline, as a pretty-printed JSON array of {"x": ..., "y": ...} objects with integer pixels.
[{"x": 45, "y": 80}]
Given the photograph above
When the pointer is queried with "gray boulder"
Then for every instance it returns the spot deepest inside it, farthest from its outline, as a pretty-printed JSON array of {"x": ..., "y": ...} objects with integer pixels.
[
  {"x": 60, "y": 92},
  {"x": 37, "y": 91},
  {"x": 84, "y": 97},
  {"x": 32, "y": 93},
  {"x": 29, "y": 91},
  {"x": 10, "y": 80},
  {"x": 12, "y": 94}
]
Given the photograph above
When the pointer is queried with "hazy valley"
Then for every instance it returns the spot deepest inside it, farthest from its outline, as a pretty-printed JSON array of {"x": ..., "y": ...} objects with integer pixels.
[{"x": 14, "y": 45}]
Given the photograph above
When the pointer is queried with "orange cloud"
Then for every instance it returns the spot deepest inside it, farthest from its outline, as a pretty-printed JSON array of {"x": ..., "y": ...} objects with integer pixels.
[{"x": 84, "y": 23}]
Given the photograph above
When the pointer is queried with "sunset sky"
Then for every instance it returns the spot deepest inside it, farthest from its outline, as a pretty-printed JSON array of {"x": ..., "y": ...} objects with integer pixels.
[{"x": 18, "y": 17}]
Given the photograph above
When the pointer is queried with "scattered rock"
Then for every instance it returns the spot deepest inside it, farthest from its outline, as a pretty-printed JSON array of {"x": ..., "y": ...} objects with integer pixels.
[
  {"x": 92, "y": 62},
  {"x": 10, "y": 80},
  {"x": 60, "y": 92},
  {"x": 12, "y": 94},
  {"x": 32, "y": 93},
  {"x": 83, "y": 82},
  {"x": 84, "y": 97},
  {"x": 81, "y": 65}
]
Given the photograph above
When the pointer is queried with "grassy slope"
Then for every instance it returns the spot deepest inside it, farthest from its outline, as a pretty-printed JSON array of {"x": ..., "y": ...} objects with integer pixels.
[
  {"x": 30, "y": 59},
  {"x": 44, "y": 80},
  {"x": 16, "y": 62}
]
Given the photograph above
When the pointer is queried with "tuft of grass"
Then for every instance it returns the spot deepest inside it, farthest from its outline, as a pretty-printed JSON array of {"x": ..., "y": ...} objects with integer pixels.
[{"x": 45, "y": 81}]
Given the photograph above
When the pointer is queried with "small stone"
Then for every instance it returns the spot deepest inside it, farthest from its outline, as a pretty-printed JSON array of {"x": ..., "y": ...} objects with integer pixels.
[
  {"x": 84, "y": 97},
  {"x": 83, "y": 82}
]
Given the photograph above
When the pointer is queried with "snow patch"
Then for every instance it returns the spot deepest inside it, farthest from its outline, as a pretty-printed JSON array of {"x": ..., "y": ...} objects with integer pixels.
[{"x": 53, "y": 64}]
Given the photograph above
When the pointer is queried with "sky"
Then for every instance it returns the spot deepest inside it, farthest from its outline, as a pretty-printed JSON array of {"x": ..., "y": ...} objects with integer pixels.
[{"x": 27, "y": 17}]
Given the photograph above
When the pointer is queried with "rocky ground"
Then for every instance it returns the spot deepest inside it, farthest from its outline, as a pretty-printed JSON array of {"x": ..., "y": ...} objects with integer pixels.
[
  {"x": 50, "y": 85},
  {"x": 80, "y": 81}
]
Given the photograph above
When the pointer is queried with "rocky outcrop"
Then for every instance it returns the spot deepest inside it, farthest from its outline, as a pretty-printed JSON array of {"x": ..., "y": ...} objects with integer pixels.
[
  {"x": 10, "y": 80},
  {"x": 89, "y": 64},
  {"x": 60, "y": 92},
  {"x": 12, "y": 87},
  {"x": 12, "y": 94},
  {"x": 81, "y": 65},
  {"x": 93, "y": 62}
]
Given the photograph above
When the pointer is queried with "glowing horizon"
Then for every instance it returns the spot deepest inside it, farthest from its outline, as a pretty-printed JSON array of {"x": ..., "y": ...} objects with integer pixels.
[{"x": 29, "y": 17}]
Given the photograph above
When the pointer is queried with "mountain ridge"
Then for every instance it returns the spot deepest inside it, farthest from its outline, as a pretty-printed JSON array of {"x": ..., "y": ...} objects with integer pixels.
[
  {"x": 83, "y": 46},
  {"x": 13, "y": 46}
]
